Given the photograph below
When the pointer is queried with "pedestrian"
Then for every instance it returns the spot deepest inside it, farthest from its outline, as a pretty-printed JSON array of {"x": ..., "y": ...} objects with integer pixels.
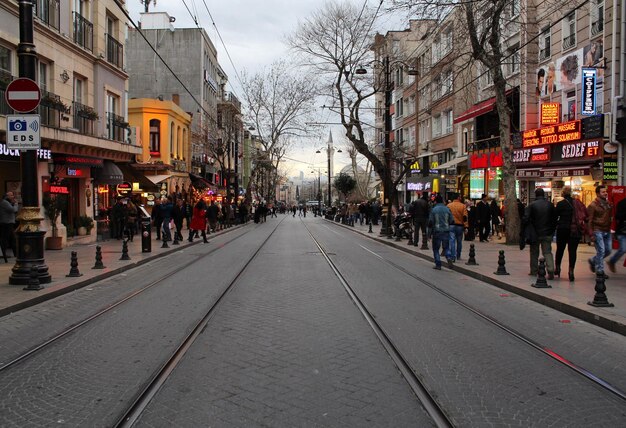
[
  {"x": 470, "y": 235},
  {"x": 8, "y": 209},
  {"x": 459, "y": 214},
  {"x": 571, "y": 218},
  {"x": 212, "y": 214},
  {"x": 420, "y": 211},
  {"x": 157, "y": 217},
  {"x": 620, "y": 233},
  {"x": 599, "y": 212},
  {"x": 178, "y": 214},
  {"x": 439, "y": 222},
  {"x": 131, "y": 220},
  {"x": 118, "y": 221},
  {"x": 483, "y": 218},
  {"x": 198, "y": 221},
  {"x": 540, "y": 216},
  {"x": 494, "y": 209},
  {"x": 166, "y": 210}
]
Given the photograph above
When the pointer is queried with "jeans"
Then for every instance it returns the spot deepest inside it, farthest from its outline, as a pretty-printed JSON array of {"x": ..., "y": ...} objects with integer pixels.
[
  {"x": 622, "y": 248},
  {"x": 440, "y": 238},
  {"x": 456, "y": 241},
  {"x": 603, "y": 249},
  {"x": 546, "y": 250}
]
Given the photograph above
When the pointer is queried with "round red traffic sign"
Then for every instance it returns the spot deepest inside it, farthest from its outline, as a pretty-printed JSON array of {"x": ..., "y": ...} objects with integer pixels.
[{"x": 23, "y": 95}]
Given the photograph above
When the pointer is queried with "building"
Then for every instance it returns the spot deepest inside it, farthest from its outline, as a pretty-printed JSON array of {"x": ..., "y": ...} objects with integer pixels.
[{"x": 83, "y": 81}]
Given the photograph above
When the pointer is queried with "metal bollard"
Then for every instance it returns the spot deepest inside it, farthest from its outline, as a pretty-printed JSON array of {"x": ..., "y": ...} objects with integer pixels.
[
  {"x": 541, "y": 275},
  {"x": 74, "y": 272},
  {"x": 472, "y": 256},
  {"x": 600, "y": 300},
  {"x": 33, "y": 280},
  {"x": 99, "y": 264},
  {"x": 125, "y": 255},
  {"x": 501, "y": 264}
]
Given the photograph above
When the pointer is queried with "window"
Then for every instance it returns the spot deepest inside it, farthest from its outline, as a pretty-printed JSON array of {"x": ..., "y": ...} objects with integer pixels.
[
  {"x": 486, "y": 78},
  {"x": 155, "y": 137},
  {"x": 447, "y": 119},
  {"x": 465, "y": 141},
  {"x": 437, "y": 126},
  {"x": 399, "y": 76},
  {"x": 5, "y": 66},
  {"x": 409, "y": 105},
  {"x": 172, "y": 148},
  {"x": 513, "y": 61},
  {"x": 436, "y": 88},
  {"x": 399, "y": 108},
  {"x": 48, "y": 12},
  {"x": 514, "y": 8},
  {"x": 569, "y": 31},
  {"x": 79, "y": 89},
  {"x": 412, "y": 136},
  {"x": 424, "y": 133},
  {"x": 544, "y": 44},
  {"x": 42, "y": 77},
  {"x": 399, "y": 136},
  {"x": 423, "y": 64},
  {"x": 447, "y": 82},
  {"x": 423, "y": 100},
  {"x": 597, "y": 17}
]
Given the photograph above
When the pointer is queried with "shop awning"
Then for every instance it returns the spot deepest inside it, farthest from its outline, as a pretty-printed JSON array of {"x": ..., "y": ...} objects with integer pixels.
[
  {"x": 134, "y": 176},
  {"x": 110, "y": 173},
  {"x": 477, "y": 110},
  {"x": 200, "y": 183},
  {"x": 156, "y": 179},
  {"x": 452, "y": 163}
]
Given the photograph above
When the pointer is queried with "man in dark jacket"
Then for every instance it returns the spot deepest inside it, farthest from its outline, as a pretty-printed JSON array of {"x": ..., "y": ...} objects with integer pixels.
[
  {"x": 599, "y": 212},
  {"x": 540, "y": 216},
  {"x": 483, "y": 218},
  {"x": 620, "y": 233},
  {"x": 419, "y": 212}
]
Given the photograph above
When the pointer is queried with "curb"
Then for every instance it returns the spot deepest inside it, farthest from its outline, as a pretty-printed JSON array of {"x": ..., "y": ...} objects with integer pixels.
[
  {"x": 592, "y": 318},
  {"x": 64, "y": 290}
]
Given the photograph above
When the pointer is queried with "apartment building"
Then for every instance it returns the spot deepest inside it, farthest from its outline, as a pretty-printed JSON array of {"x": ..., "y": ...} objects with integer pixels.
[{"x": 83, "y": 81}]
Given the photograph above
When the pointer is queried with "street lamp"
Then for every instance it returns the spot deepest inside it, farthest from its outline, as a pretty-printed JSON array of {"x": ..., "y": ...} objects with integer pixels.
[
  {"x": 386, "y": 228},
  {"x": 319, "y": 190},
  {"x": 329, "y": 151}
]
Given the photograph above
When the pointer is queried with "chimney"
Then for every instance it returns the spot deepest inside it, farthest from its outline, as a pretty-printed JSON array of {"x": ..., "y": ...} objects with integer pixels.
[{"x": 176, "y": 99}]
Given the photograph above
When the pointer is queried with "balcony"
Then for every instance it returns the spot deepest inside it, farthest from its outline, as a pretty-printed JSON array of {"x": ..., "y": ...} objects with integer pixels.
[
  {"x": 115, "y": 51},
  {"x": 569, "y": 41},
  {"x": 597, "y": 27},
  {"x": 83, "y": 32},
  {"x": 229, "y": 97},
  {"x": 48, "y": 12},
  {"x": 117, "y": 128},
  {"x": 85, "y": 119}
]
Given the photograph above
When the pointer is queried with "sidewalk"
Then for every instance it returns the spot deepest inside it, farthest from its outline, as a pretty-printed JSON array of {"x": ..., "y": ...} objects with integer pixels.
[
  {"x": 14, "y": 297},
  {"x": 568, "y": 297}
]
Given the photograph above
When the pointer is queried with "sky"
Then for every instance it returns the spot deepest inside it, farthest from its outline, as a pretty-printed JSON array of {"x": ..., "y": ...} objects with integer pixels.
[{"x": 253, "y": 34}]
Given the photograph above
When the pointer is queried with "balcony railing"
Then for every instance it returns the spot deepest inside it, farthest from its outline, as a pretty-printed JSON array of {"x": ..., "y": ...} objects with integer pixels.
[
  {"x": 85, "y": 119},
  {"x": 115, "y": 51},
  {"x": 5, "y": 79},
  {"x": 544, "y": 54},
  {"x": 117, "y": 128},
  {"x": 83, "y": 32},
  {"x": 48, "y": 12},
  {"x": 231, "y": 98},
  {"x": 597, "y": 26},
  {"x": 569, "y": 41},
  {"x": 50, "y": 109}
]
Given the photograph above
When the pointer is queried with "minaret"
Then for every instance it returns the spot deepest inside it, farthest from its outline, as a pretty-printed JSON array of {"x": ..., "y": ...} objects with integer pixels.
[{"x": 331, "y": 151}]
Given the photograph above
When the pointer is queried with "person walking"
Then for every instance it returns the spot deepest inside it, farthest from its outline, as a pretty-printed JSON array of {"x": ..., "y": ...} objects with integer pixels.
[
  {"x": 483, "y": 218},
  {"x": 198, "y": 221},
  {"x": 571, "y": 218},
  {"x": 439, "y": 222},
  {"x": 620, "y": 233},
  {"x": 166, "y": 210},
  {"x": 420, "y": 211},
  {"x": 8, "y": 210},
  {"x": 599, "y": 212},
  {"x": 494, "y": 209},
  {"x": 178, "y": 214},
  {"x": 540, "y": 216},
  {"x": 459, "y": 214},
  {"x": 157, "y": 217},
  {"x": 212, "y": 214}
]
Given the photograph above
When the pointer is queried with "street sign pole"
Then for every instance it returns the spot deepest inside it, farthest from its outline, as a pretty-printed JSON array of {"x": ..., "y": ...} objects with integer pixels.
[{"x": 30, "y": 249}]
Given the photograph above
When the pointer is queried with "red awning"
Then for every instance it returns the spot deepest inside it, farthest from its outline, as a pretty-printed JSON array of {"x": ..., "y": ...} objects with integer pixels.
[{"x": 477, "y": 110}]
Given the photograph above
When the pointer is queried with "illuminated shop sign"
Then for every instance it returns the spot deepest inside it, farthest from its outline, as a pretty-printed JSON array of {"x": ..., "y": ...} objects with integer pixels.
[
  {"x": 72, "y": 172},
  {"x": 124, "y": 189},
  {"x": 550, "y": 113},
  {"x": 568, "y": 131},
  {"x": 78, "y": 161},
  {"x": 486, "y": 160},
  {"x": 589, "y": 91},
  {"x": 41, "y": 153},
  {"x": 59, "y": 190},
  {"x": 477, "y": 183},
  {"x": 582, "y": 150}
]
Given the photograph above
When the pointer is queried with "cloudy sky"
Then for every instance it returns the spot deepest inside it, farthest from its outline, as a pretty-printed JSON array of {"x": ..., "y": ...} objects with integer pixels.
[{"x": 253, "y": 34}]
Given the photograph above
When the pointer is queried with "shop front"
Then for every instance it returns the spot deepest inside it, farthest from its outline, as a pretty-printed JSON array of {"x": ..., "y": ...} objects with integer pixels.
[{"x": 485, "y": 174}]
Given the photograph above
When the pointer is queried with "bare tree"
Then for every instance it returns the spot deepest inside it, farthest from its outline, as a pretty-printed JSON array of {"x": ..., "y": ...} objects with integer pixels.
[
  {"x": 363, "y": 176},
  {"x": 279, "y": 101}
]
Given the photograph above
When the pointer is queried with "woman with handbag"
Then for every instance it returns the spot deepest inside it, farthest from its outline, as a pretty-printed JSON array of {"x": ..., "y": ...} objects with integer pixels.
[{"x": 570, "y": 228}]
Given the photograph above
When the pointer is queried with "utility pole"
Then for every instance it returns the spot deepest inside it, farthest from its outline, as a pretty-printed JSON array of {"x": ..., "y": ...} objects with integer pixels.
[
  {"x": 30, "y": 249},
  {"x": 386, "y": 228}
]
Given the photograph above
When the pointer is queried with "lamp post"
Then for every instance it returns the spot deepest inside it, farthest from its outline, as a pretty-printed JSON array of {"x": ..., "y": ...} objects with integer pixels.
[
  {"x": 319, "y": 190},
  {"x": 386, "y": 228},
  {"x": 330, "y": 151},
  {"x": 30, "y": 250}
]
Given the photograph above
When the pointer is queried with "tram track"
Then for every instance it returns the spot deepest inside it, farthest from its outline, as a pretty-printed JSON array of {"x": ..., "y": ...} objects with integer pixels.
[
  {"x": 544, "y": 350},
  {"x": 43, "y": 345}
]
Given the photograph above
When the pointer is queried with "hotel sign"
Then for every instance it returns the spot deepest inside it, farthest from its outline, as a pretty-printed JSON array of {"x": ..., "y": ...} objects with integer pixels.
[{"x": 568, "y": 131}]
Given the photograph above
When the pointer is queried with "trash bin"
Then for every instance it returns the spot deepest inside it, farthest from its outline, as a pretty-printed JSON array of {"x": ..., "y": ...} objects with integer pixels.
[{"x": 146, "y": 233}]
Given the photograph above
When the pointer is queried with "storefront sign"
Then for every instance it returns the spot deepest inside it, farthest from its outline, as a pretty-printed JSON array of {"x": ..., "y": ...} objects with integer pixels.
[
  {"x": 609, "y": 168},
  {"x": 486, "y": 160},
  {"x": 477, "y": 183},
  {"x": 565, "y": 172},
  {"x": 593, "y": 126},
  {"x": 41, "y": 153},
  {"x": 550, "y": 113},
  {"x": 568, "y": 131},
  {"x": 527, "y": 173},
  {"x": 581, "y": 150},
  {"x": 73, "y": 172},
  {"x": 78, "y": 161},
  {"x": 589, "y": 91},
  {"x": 124, "y": 189},
  {"x": 59, "y": 190}
]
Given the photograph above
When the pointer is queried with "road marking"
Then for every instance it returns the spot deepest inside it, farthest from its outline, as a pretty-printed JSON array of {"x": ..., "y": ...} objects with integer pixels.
[{"x": 370, "y": 251}]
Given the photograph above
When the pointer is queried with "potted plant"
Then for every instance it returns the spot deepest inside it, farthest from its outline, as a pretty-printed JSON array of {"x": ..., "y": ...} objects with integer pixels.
[
  {"x": 89, "y": 113},
  {"x": 85, "y": 224},
  {"x": 52, "y": 208}
]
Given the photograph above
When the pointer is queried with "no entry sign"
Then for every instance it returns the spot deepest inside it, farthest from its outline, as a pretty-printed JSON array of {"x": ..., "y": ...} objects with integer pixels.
[{"x": 23, "y": 95}]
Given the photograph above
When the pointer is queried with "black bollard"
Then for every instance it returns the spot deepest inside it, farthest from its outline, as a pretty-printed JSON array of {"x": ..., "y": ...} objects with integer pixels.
[
  {"x": 398, "y": 234},
  {"x": 472, "y": 256},
  {"x": 74, "y": 272},
  {"x": 541, "y": 275},
  {"x": 501, "y": 264},
  {"x": 600, "y": 300},
  {"x": 370, "y": 230},
  {"x": 99, "y": 264},
  {"x": 125, "y": 255},
  {"x": 164, "y": 245},
  {"x": 33, "y": 280}
]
